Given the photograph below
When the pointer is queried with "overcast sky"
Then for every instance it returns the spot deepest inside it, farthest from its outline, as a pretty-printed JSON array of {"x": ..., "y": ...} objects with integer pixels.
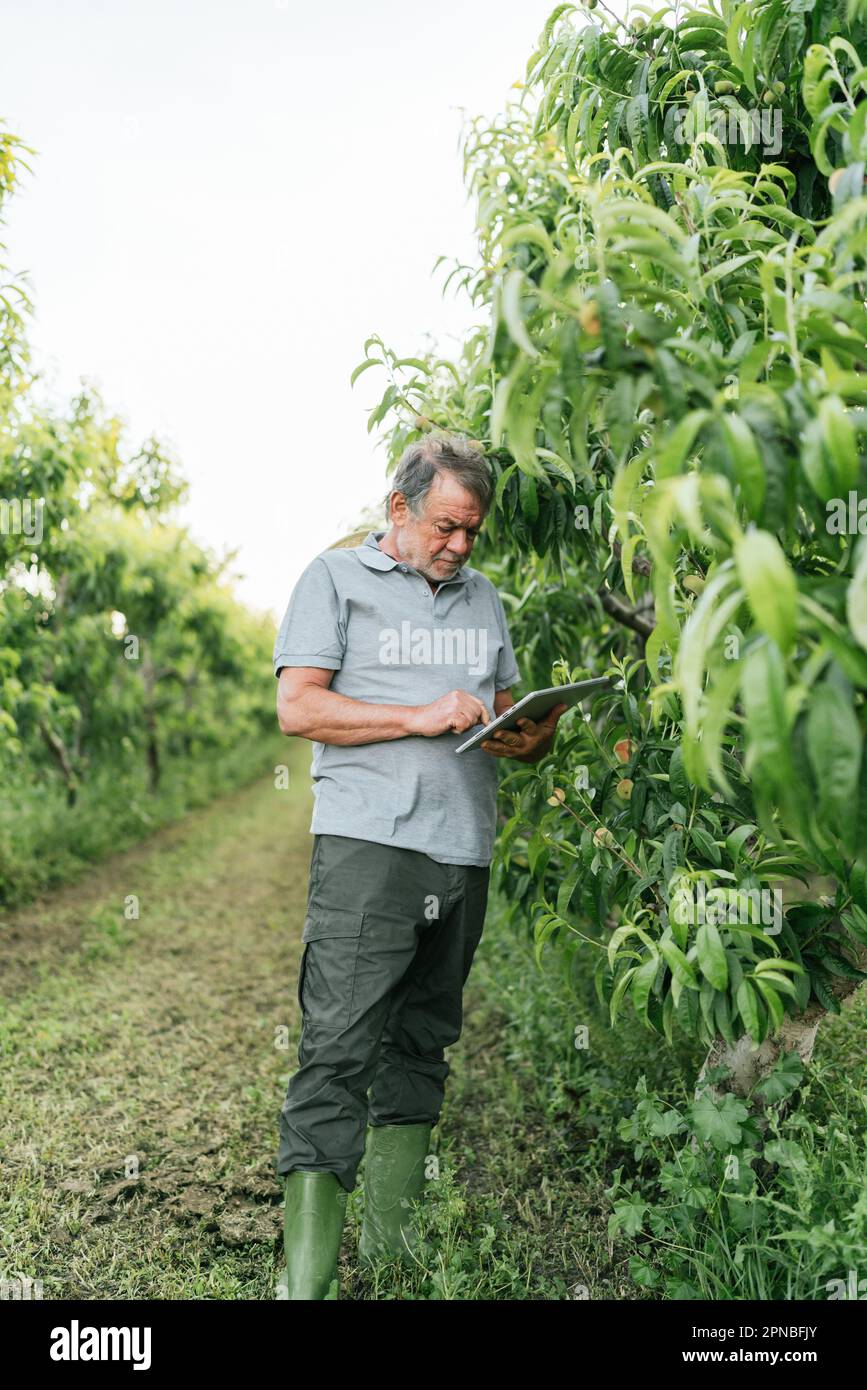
[{"x": 228, "y": 197}]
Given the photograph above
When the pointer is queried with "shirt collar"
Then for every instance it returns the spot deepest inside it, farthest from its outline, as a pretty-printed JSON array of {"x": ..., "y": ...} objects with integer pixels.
[{"x": 370, "y": 554}]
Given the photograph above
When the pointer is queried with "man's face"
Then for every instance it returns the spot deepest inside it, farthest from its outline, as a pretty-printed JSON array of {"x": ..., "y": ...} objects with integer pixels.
[{"x": 440, "y": 541}]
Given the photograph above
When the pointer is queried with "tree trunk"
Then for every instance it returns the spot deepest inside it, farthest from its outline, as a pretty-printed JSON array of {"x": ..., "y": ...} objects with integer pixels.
[
  {"x": 61, "y": 757},
  {"x": 150, "y": 719},
  {"x": 55, "y": 743},
  {"x": 750, "y": 1064}
]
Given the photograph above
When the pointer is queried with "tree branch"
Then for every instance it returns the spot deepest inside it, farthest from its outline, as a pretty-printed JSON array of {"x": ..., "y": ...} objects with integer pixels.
[
  {"x": 621, "y": 612},
  {"x": 640, "y": 565}
]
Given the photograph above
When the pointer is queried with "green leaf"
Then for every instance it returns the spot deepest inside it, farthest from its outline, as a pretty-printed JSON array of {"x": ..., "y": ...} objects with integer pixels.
[
  {"x": 723, "y": 1018},
  {"x": 834, "y": 748},
  {"x": 770, "y": 585},
  {"x": 848, "y": 656},
  {"x": 783, "y": 1080},
  {"x": 628, "y": 1216},
  {"x": 536, "y": 849},
  {"x": 780, "y": 982},
  {"x": 618, "y": 992},
  {"x": 856, "y": 597},
  {"x": 512, "y": 287},
  {"x": 363, "y": 366},
  {"x": 529, "y": 497},
  {"x": 773, "y": 1001},
  {"x": 544, "y": 927},
  {"x": 748, "y": 466},
  {"x": 718, "y": 1122},
  {"x": 679, "y": 443},
  {"x": 788, "y": 1154},
  {"x": 642, "y": 985},
  {"x": 567, "y": 887},
  {"x": 712, "y": 956},
  {"x": 737, "y": 839},
  {"x": 824, "y": 994},
  {"x": 816, "y": 464},
  {"x": 502, "y": 482},
  {"x": 718, "y": 272},
  {"x": 839, "y": 439},
  {"x": 763, "y": 688},
  {"x": 748, "y": 1007},
  {"x": 678, "y": 964},
  {"x": 816, "y": 87},
  {"x": 706, "y": 845},
  {"x": 672, "y": 854},
  {"x": 677, "y": 780}
]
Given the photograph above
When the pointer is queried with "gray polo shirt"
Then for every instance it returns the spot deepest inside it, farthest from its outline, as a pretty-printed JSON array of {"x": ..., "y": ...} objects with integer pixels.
[{"x": 391, "y": 640}]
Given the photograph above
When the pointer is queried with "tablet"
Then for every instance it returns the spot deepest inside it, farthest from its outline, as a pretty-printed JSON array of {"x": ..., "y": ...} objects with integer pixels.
[{"x": 538, "y": 703}]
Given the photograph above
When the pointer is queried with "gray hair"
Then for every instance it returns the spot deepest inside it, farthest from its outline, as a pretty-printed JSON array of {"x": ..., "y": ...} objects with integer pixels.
[{"x": 423, "y": 460}]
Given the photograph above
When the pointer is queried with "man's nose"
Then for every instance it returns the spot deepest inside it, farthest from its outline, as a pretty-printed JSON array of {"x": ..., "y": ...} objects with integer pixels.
[{"x": 459, "y": 543}]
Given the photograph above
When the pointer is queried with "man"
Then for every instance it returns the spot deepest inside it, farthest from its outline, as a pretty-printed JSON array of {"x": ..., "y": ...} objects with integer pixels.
[{"x": 388, "y": 655}]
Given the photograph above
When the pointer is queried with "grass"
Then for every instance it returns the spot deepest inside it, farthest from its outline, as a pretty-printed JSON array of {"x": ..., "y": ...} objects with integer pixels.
[
  {"x": 145, "y": 1059},
  {"x": 45, "y": 842}
]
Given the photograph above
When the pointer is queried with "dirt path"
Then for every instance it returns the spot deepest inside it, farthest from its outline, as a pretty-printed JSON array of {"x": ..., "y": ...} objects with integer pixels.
[
  {"x": 145, "y": 1061},
  {"x": 138, "y": 1117}
]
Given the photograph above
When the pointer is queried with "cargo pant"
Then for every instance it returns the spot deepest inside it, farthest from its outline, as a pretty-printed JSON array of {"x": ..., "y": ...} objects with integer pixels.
[{"x": 389, "y": 939}]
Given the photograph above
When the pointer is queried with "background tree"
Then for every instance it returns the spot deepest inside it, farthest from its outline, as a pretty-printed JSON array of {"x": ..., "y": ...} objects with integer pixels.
[{"x": 122, "y": 646}]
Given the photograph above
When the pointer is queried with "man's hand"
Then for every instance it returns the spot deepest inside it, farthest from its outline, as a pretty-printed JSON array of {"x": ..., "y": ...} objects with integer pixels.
[
  {"x": 452, "y": 713},
  {"x": 529, "y": 742}
]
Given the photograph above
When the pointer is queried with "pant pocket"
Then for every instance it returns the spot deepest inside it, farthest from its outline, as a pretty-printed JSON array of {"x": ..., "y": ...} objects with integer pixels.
[
  {"x": 301, "y": 972},
  {"x": 327, "y": 986}
]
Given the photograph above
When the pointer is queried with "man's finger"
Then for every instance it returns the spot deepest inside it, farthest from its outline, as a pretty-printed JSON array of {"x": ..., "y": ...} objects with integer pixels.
[
  {"x": 507, "y": 737},
  {"x": 499, "y": 750}
]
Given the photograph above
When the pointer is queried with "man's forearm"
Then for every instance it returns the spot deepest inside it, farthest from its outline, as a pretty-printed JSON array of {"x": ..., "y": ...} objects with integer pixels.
[{"x": 326, "y": 717}]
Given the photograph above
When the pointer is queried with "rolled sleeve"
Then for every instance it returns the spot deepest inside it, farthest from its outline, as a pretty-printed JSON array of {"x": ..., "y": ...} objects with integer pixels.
[{"x": 313, "y": 630}]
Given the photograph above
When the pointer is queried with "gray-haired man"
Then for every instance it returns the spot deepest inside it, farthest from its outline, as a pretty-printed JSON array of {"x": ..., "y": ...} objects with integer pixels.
[{"x": 387, "y": 655}]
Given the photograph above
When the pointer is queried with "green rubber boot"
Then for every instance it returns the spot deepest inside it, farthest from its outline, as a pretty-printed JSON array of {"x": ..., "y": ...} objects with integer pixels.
[
  {"x": 313, "y": 1217},
  {"x": 393, "y": 1177}
]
